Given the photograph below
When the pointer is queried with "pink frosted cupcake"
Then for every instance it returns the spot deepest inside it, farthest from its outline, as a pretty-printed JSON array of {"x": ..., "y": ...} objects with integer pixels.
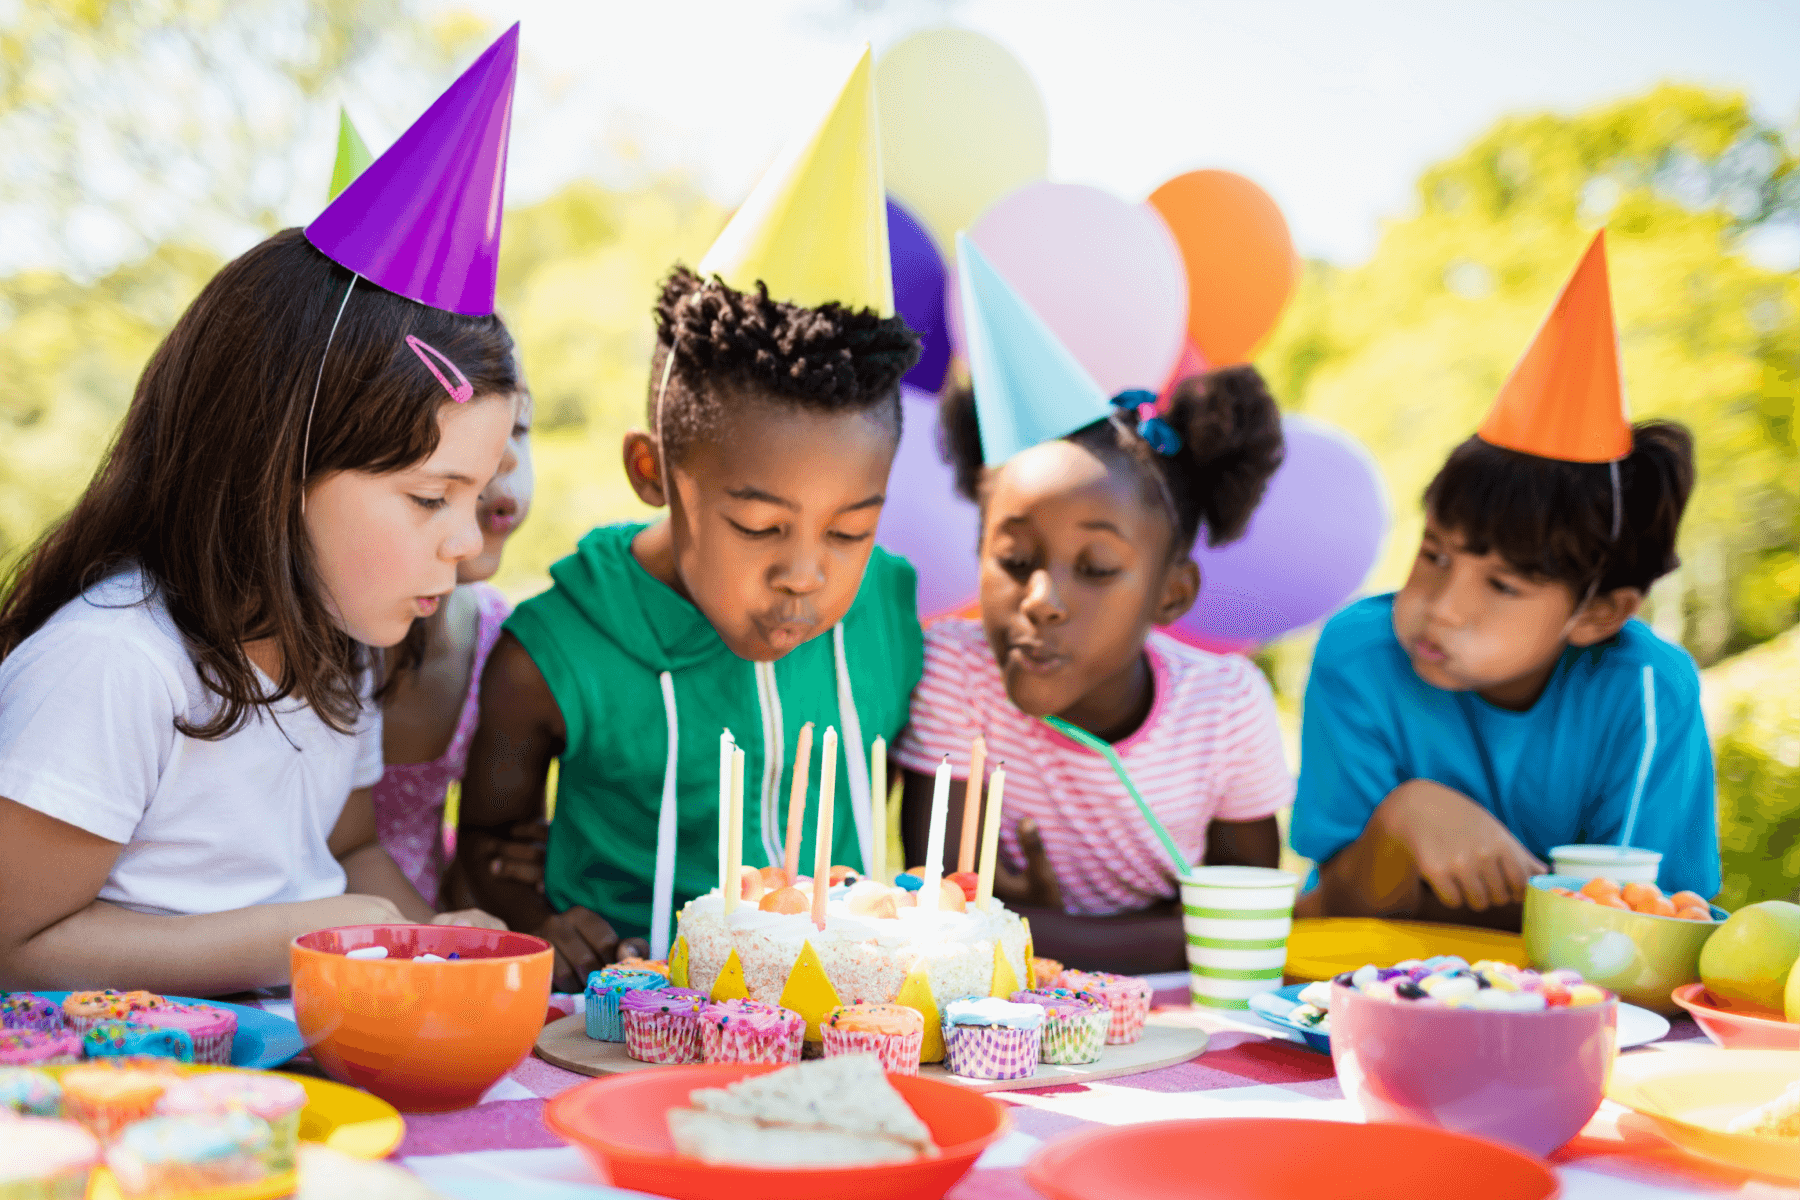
[
  {"x": 893, "y": 1033},
  {"x": 26, "y": 1048},
  {"x": 23, "y": 1010},
  {"x": 275, "y": 1099},
  {"x": 662, "y": 1026},
  {"x": 210, "y": 1028},
  {"x": 749, "y": 1031},
  {"x": 84, "y": 1010},
  {"x": 1127, "y": 995},
  {"x": 45, "y": 1159}
]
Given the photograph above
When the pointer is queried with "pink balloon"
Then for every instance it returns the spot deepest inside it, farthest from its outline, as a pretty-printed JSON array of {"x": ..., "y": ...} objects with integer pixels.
[
  {"x": 924, "y": 519},
  {"x": 1104, "y": 274}
]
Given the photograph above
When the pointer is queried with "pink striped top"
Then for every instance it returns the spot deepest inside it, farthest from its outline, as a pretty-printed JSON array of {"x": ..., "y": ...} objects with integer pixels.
[{"x": 1210, "y": 749}]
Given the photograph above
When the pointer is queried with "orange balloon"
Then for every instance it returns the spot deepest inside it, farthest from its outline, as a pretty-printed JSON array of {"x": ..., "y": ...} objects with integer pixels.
[{"x": 1240, "y": 259}]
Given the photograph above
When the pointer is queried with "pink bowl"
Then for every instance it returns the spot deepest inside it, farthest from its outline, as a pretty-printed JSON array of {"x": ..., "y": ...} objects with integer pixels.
[{"x": 1530, "y": 1080}]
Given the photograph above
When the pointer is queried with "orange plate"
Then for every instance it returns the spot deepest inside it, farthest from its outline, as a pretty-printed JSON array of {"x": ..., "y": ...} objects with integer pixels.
[
  {"x": 1274, "y": 1158},
  {"x": 621, "y": 1124},
  {"x": 1736, "y": 1028}
]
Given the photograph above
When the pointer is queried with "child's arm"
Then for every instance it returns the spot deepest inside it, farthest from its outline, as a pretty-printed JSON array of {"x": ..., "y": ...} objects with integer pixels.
[
  {"x": 54, "y": 933},
  {"x": 521, "y": 729},
  {"x": 1423, "y": 833}
]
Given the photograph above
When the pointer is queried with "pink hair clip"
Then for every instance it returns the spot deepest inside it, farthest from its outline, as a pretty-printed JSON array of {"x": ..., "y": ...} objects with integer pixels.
[{"x": 463, "y": 391}]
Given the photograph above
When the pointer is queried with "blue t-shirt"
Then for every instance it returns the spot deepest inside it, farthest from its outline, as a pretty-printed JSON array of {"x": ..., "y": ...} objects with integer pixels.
[{"x": 1560, "y": 772}]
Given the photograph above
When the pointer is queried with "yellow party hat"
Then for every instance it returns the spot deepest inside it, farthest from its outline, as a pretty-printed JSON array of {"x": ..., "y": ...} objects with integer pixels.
[{"x": 815, "y": 228}]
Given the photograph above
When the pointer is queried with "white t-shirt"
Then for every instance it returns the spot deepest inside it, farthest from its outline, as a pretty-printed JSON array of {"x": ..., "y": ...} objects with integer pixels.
[{"x": 88, "y": 706}]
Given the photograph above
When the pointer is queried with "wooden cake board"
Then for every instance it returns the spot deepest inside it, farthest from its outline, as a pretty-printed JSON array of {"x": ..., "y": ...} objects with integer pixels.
[{"x": 565, "y": 1044}]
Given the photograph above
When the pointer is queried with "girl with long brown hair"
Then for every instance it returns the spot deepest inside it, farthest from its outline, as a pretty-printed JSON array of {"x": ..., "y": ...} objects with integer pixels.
[{"x": 188, "y": 660}]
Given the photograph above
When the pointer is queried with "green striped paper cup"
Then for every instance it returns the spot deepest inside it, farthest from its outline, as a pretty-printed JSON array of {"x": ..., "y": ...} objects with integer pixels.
[{"x": 1237, "y": 921}]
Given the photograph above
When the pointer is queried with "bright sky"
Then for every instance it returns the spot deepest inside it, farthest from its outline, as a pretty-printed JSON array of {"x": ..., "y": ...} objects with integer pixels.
[{"x": 1333, "y": 107}]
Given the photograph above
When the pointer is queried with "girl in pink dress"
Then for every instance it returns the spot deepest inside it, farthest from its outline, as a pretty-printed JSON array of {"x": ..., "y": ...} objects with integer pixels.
[{"x": 430, "y": 706}]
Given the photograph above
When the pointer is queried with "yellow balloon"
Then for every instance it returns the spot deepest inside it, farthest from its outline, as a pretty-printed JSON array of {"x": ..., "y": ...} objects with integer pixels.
[{"x": 962, "y": 124}]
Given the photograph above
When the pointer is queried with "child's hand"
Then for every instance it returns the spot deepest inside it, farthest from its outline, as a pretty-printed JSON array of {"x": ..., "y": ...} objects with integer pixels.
[
  {"x": 1037, "y": 887},
  {"x": 520, "y": 855},
  {"x": 583, "y": 942},
  {"x": 1467, "y": 856},
  {"x": 474, "y": 918}
]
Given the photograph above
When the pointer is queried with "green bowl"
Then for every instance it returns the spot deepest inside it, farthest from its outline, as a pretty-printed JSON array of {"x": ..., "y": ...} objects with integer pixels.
[{"x": 1641, "y": 956}]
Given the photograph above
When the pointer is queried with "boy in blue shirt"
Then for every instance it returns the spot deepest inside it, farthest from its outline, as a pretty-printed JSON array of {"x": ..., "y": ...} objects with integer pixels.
[{"x": 1506, "y": 700}]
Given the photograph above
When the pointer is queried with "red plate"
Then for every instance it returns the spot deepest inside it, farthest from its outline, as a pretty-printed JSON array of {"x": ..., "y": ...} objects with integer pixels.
[
  {"x": 1271, "y": 1158},
  {"x": 621, "y": 1123},
  {"x": 1733, "y": 1027}
]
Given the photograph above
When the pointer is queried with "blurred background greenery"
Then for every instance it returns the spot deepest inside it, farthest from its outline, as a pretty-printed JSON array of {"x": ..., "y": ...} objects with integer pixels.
[{"x": 1405, "y": 350}]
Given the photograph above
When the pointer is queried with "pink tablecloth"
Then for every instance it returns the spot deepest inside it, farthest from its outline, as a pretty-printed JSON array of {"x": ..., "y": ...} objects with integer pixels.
[{"x": 1247, "y": 1070}]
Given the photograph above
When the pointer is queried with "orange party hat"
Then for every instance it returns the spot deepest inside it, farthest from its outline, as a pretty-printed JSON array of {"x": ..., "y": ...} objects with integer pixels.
[{"x": 1565, "y": 398}]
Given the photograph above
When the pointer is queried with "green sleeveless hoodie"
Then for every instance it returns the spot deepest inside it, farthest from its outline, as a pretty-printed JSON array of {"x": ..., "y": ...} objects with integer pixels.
[{"x": 604, "y": 635}]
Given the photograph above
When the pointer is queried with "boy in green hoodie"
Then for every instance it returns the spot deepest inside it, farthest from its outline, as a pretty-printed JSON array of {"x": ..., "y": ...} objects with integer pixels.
[{"x": 760, "y": 602}]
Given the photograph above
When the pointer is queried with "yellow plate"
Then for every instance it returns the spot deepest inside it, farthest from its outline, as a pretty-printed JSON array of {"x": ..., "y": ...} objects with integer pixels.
[
  {"x": 350, "y": 1121},
  {"x": 1319, "y": 948},
  {"x": 1690, "y": 1096}
]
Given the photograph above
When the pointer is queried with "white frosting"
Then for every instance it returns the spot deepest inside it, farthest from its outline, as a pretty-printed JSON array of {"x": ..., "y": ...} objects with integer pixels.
[
  {"x": 991, "y": 1010},
  {"x": 866, "y": 958}
]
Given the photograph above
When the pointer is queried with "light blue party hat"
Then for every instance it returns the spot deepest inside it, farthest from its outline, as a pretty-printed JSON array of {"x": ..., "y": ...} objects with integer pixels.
[{"x": 1028, "y": 387}]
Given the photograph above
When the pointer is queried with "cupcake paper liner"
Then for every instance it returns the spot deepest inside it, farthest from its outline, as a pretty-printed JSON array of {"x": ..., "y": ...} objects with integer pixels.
[
  {"x": 1128, "y": 1015},
  {"x": 664, "y": 1038},
  {"x": 991, "y": 1051},
  {"x": 735, "y": 1044},
  {"x": 604, "y": 1022},
  {"x": 898, "y": 1052},
  {"x": 1075, "y": 1037}
]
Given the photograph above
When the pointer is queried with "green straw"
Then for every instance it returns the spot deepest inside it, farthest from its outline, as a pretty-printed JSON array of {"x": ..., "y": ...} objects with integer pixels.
[{"x": 1099, "y": 747}]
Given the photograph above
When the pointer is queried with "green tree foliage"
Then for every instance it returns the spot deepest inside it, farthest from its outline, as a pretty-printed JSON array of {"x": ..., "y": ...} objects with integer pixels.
[
  {"x": 1754, "y": 714},
  {"x": 1408, "y": 351}
]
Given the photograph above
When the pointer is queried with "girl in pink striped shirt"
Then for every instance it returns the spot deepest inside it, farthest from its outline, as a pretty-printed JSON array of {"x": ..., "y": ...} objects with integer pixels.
[{"x": 1085, "y": 543}]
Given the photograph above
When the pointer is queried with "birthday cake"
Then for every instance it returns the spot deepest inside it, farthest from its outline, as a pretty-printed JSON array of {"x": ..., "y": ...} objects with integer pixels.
[{"x": 918, "y": 958}]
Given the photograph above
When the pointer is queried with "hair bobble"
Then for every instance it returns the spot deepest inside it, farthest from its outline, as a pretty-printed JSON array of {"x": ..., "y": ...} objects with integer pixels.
[{"x": 1158, "y": 433}]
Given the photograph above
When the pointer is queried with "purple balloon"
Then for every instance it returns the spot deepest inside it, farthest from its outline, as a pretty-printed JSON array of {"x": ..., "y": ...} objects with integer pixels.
[
  {"x": 919, "y": 294},
  {"x": 924, "y": 518},
  {"x": 1308, "y": 548}
]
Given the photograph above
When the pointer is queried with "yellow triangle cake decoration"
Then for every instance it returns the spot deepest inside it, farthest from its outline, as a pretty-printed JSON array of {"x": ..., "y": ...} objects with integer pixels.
[
  {"x": 1006, "y": 980},
  {"x": 915, "y": 993},
  {"x": 678, "y": 963},
  {"x": 730, "y": 983},
  {"x": 808, "y": 991},
  {"x": 1030, "y": 952}
]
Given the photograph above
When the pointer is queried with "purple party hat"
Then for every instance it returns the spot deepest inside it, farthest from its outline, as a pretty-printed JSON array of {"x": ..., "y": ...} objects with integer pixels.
[{"x": 423, "y": 220}]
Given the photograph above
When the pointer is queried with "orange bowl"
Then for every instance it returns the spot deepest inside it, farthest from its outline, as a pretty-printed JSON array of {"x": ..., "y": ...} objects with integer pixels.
[
  {"x": 1276, "y": 1158},
  {"x": 1735, "y": 1027},
  {"x": 424, "y": 1036},
  {"x": 621, "y": 1123}
]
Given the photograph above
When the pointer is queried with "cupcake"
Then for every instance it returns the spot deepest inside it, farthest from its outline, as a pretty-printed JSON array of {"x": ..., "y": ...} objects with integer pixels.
[
  {"x": 84, "y": 1010},
  {"x": 1075, "y": 1024},
  {"x": 1127, "y": 995},
  {"x": 29, "y": 1093},
  {"x": 749, "y": 1031},
  {"x": 1044, "y": 972},
  {"x": 122, "y": 1039},
  {"x": 211, "y": 1028},
  {"x": 24, "y": 1048},
  {"x": 604, "y": 987},
  {"x": 106, "y": 1098},
  {"x": 23, "y": 1010},
  {"x": 177, "y": 1156},
  {"x": 276, "y": 1099},
  {"x": 41, "y": 1159},
  {"x": 992, "y": 1038},
  {"x": 891, "y": 1032},
  {"x": 663, "y": 1025}
]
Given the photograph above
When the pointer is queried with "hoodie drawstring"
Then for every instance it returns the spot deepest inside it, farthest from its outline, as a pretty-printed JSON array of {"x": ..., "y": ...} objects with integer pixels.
[
  {"x": 768, "y": 699},
  {"x": 663, "y": 897},
  {"x": 858, "y": 775}
]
